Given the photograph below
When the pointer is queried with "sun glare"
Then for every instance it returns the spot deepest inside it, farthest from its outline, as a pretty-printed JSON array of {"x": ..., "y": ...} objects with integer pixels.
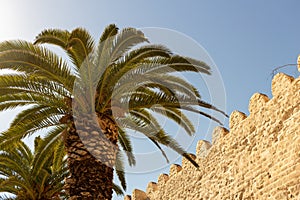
[{"x": 8, "y": 19}]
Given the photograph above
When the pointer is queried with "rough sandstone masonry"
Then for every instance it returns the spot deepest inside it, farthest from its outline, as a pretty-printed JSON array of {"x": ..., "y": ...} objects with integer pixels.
[{"x": 259, "y": 158}]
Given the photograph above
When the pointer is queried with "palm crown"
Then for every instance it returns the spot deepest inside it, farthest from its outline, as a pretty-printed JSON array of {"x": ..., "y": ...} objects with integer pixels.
[
  {"x": 37, "y": 175},
  {"x": 120, "y": 79}
]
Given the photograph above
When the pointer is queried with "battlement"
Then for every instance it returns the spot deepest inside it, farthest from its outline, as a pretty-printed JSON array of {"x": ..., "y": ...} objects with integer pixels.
[{"x": 259, "y": 158}]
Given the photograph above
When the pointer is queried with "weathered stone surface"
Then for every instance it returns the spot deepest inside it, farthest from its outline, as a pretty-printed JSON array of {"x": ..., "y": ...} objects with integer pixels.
[
  {"x": 174, "y": 169},
  {"x": 257, "y": 102},
  {"x": 202, "y": 149},
  {"x": 186, "y": 164},
  {"x": 218, "y": 133},
  {"x": 258, "y": 159},
  {"x": 139, "y": 194},
  {"x": 280, "y": 83},
  {"x": 127, "y": 197},
  {"x": 162, "y": 179},
  {"x": 235, "y": 118},
  {"x": 152, "y": 187}
]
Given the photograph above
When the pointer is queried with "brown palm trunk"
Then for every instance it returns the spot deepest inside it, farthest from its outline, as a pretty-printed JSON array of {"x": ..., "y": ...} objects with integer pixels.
[{"x": 91, "y": 156}]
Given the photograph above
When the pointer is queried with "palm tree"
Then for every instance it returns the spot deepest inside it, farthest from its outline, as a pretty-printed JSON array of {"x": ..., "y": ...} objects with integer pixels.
[
  {"x": 33, "y": 176},
  {"x": 96, "y": 98},
  {"x": 38, "y": 175}
]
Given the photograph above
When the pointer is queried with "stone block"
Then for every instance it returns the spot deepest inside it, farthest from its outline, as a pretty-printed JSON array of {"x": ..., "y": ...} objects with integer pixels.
[
  {"x": 174, "y": 169},
  {"x": 218, "y": 133},
  {"x": 235, "y": 118},
  {"x": 186, "y": 163},
  {"x": 257, "y": 102},
  {"x": 127, "y": 197},
  {"x": 163, "y": 178},
  {"x": 139, "y": 195},
  {"x": 202, "y": 149},
  {"x": 151, "y": 187},
  {"x": 280, "y": 83}
]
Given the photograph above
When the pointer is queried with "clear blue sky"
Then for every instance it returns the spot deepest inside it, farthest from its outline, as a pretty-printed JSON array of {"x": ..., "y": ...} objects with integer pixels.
[{"x": 246, "y": 39}]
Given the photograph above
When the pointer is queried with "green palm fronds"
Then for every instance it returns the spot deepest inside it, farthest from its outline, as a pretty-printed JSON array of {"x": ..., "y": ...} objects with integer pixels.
[
  {"x": 122, "y": 72},
  {"x": 28, "y": 175}
]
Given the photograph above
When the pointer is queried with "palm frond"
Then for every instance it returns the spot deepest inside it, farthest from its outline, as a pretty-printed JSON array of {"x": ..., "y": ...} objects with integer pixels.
[
  {"x": 51, "y": 143},
  {"x": 81, "y": 44},
  {"x": 157, "y": 135},
  {"x": 125, "y": 41},
  {"x": 33, "y": 111},
  {"x": 23, "y": 83},
  {"x": 114, "y": 72},
  {"x": 176, "y": 115},
  {"x": 26, "y": 128},
  {"x": 120, "y": 170},
  {"x": 20, "y": 174},
  {"x": 109, "y": 31},
  {"x": 112, "y": 49},
  {"x": 160, "y": 148},
  {"x": 177, "y": 63},
  {"x": 53, "y": 36},
  {"x": 125, "y": 143},
  {"x": 25, "y": 57},
  {"x": 117, "y": 190}
]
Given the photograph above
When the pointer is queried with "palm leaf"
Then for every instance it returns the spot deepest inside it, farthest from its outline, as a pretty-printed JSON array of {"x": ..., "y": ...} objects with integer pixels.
[
  {"x": 25, "y": 57},
  {"x": 120, "y": 170},
  {"x": 117, "y": 190},
  {"x": 125, "y": 143}
]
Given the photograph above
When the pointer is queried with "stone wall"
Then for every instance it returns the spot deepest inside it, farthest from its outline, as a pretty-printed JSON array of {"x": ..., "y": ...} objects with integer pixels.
[{"x": 259, "y": 158}]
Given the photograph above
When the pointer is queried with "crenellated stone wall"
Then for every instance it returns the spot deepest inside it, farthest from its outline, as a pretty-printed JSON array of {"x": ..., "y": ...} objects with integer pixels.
[{"x": 259, "y": 158}]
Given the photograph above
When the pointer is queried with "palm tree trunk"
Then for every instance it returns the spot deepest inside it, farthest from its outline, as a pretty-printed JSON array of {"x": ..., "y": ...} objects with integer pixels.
[{"x": 91, "y": 156}]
